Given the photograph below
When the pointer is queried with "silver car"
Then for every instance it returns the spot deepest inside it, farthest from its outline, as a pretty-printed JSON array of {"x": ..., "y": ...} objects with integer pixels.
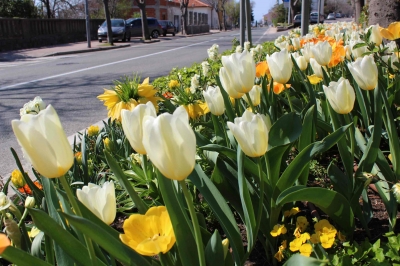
[{"x": 120, "y": 30}]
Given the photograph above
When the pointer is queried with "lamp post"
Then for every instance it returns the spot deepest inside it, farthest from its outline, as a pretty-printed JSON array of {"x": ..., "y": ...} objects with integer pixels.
[{"x": 87, "y": 23}]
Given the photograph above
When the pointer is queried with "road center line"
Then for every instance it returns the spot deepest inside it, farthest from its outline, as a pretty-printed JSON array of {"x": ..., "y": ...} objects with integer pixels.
[{"x": 104, "y": 65}]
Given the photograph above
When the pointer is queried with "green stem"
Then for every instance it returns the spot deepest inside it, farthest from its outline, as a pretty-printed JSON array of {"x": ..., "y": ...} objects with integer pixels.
[
  {"x": 288, "y": 98},
  {"x": 75, "y": 206},
  {"x": 144, "y": 166},
  {"x": 21, "y": 221},
  {"x": 228, "y": 143},
  {"x": 165, "y": 259},
  {"x": 348, "y": 120},
  {"x": 48, "y": 246},
  {"x": 250, "y": 102},
  {"x": 195, "y": 223},
  {"x": 261, "y": 201}
]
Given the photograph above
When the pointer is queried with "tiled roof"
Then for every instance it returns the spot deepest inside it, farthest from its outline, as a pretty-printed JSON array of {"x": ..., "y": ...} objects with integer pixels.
[{"x": 195, "y": 3}]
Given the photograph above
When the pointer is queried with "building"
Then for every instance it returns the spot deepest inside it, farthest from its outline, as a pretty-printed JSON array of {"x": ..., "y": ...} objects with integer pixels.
[{"x": 198, "y": 12}]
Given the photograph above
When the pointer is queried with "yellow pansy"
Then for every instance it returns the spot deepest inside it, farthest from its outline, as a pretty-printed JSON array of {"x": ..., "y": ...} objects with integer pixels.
[
  {"x": 305, "y": 250},
  {"x": 278, "y": 230},
  {"x": 291, "y": 212},
  {"x": 295, "y": 244},
  {"x": 149, "y": 234},
  {"x": 314, "y": 79},
  {"x": 197, "y": 109},
  {"x": 302, "y": 223}
]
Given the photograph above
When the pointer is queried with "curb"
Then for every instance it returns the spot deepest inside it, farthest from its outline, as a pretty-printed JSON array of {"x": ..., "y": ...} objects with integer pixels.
[{"x": 88, "y": 50}]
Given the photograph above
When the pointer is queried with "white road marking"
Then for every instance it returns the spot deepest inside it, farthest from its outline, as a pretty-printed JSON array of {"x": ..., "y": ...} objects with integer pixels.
[{"x": 100, "y": 66}]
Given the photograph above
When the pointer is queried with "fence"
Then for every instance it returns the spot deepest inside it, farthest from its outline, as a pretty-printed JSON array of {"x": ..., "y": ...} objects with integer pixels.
[
  {"x": 196, "y": 29},
  {"x": 29, "y": 33}
]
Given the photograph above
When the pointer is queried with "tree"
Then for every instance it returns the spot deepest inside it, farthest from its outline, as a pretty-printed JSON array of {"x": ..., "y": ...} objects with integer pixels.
[
  {"x": 145, "y": 28},
  {"x": 232, "y": 11},
  {"x": 184, "y": 9},
  {"x": 18, "y": 8},
  {"x": 383, "y": 12},
  {"x": 295, "y": 7},
  {"x": 108, "y": 19}
]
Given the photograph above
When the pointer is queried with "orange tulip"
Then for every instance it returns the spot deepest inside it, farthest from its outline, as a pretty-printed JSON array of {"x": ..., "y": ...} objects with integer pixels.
[
  {"x": 278, "y": 87},
  {"x": 4, "y": 242},
  {"x": 392, "y": 32},
  {"x": 262, "y": 69}
]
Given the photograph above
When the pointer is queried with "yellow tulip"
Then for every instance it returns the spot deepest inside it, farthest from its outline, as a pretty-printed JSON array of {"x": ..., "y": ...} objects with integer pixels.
[
  {"x": 196, "y": 109},
  {"x": 149, "y": 234},
  {"x": 251, "y": 132},
  {"x": 44, "y": 142},
  {"x": 17, "y": 179},
  {"x": 392, "y": 32},
  {"x": 170, "y": 143}
]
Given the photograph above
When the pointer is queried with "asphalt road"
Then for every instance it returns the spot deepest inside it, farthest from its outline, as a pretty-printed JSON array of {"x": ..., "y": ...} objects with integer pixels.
[{"x": 71, "y": 83}]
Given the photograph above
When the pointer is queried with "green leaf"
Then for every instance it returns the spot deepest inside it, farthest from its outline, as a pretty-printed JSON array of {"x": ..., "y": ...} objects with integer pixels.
[
  {"x": 21, "y": 258},
  {"x": 119, "y": 174},
  {"x": 275, "y": 156},
  {"x": 300, "y": 260},
  {"x": 339, "y": 180},
  {"x": 330, "y": 202},
  {"x": 247, "y": 205},
  {"x": 307, "y": 137},
  {"x": 67, "y": 242},
  {"x": 180, "y": 221},
  {"x": 295, "y": 168},
  {"x": 107, "y": 241},
  {"x": 284, "y": 131},
  {"x": 220, "y": 209},
  {"x": 214, "y": 252}
]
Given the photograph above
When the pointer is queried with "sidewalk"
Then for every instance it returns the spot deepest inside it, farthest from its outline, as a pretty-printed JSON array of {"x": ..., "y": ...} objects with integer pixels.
[{"x": 79, "y": 47}]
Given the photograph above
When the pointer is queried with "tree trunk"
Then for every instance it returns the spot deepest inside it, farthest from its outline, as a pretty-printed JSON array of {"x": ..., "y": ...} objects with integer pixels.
[
  {"x": 48, "y": 10},
  {"x": 145, "y": 27},
  {"x": 357, "y": 10},
  {"x": 108, "y": 19},
  {"x": 184, "y": 8},
  {"x": 383, "y": 12},
  {"x": 220, "y": 15}
]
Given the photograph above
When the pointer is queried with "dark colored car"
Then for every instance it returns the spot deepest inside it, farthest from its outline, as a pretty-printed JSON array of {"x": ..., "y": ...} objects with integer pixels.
[
  {"x": 120, "y": 30},
  {"x": 338, "y": 15},
  {"x": 135, "y": 25},
  {"x": 297, "y": 20},
  {"x": 314, "y": 18},
  {"x": 168, "y": 27}
]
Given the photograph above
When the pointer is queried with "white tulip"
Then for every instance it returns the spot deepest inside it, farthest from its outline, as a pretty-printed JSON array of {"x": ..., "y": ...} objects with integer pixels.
[
  {"x": 300, "y": 60},
  {"x": 44, "y": 142},
  {"x": 317, "y": 68},
  {"x": 132, "y": 124},
  {"x": 255, "y": 95},
  {"x": 322, "y": 52},
  {"x": 100, "y": 200},
  {"x": 214, "y": 100},
  {"x": 365, "y": 72},
  {"x": 340, "y": 95},
  {"x": 170, "y": 143},
  {"x": 375, "y": 36},
  {"x": 280, "y": 66}
]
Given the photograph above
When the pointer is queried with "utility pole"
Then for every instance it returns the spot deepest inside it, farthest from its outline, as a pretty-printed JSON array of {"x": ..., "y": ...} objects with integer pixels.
[
  {"x": 87, "y": 23},
  {"x": 305, "y": 16},
  {"x": 242, "y": 21},
  {"x": 248, "y": 21}
]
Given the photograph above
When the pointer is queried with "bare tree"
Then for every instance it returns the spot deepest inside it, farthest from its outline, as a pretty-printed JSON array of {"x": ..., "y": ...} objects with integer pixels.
[
  {"x": 108, "y": 19},
  {"x": 184, "y": 10},
  {"x": 145, "y": 28}
]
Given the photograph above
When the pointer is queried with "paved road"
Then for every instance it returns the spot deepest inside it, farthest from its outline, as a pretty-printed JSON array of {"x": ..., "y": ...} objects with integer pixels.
[{"x": 71, "y": 82}]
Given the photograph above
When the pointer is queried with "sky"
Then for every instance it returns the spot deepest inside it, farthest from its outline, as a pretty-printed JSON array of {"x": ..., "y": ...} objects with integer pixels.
[{"x": 262, "y": 7}]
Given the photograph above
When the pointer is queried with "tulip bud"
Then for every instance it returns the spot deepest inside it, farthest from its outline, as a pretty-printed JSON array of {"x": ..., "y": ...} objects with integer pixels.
[
  {"x": 340, "y": 95},
  {"x": 396, "y": 191},
  {"x": 170, "y": 143},
  {"x": 44, "y": 142},
  {"x": 255, "y": 95},
  {"x": 317, "y": 68},
  {"x": 108, "y": 145},
  {"x": 280, "y": 66},
  {"x": 5, "y": 201},
  {"x": 365, "y": 72},
  {"x": 214, "y": 100},
  {"x": 251, "y": 132},
  {"x": 17, "y": 179},
  {"x": 13, "y": 232},
  {"x": 300, "y": 61},
  {"x": 322, "y": 52},
  {"x": 225, "y": 246},
  {"x": 100, "y": 200},
  {"x": 30, "y": 202}
]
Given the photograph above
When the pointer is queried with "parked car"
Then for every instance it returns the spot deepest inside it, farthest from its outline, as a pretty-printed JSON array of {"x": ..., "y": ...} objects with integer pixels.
[
  {"x": 168, "y": 27},
  {"x": 135, "y": 24},
  {"x": 331, "y": 16},
  {"x": 120, "y": 30},
  {"x": 314, "y": 18},
  {"x": 297, "y": 20},
  {"x": 338, "y": 15}
]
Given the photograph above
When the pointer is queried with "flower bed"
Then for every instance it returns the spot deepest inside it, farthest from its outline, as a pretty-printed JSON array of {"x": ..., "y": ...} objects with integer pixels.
[{"x": 233, "y": 143}]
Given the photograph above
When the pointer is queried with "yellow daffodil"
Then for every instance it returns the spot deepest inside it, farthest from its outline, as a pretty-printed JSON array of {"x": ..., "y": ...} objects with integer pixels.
[
  {"x": 279, "y": 229},
  {"x": 392, "y": 32},
  {"x": 314, "y": 79},
  {"x": 17, "y": 178},
  {"x": 305, "y": 250},
  {"x": 127, "y": 95},
  {"x": 173, "y": 84},
  {"x": 197, "y": 109},
  {"x": 93, "y": 130},
  {"x": 149, "y": 234}
]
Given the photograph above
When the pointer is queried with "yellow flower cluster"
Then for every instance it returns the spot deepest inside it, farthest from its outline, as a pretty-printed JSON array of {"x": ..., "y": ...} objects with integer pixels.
[
  {"x": 291, "y": 212},
  {"x": 299, "y": 244},
  {"x": 325, "y": 234},
  {"x": 278, "y": 230}
]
